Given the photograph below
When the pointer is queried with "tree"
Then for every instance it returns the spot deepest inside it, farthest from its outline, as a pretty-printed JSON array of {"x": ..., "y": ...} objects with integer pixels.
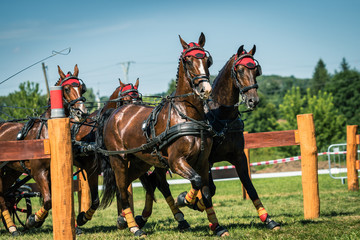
[
  {"x": 90, "y": 100},
  {"x": 329, "y": 123},
  {"x": 293, "y": 104},
  {"x": 171, "y": 87},
  {"x": 344, "y": 66},
  {"x": 263, "y": 118},
  {"x": 345, "y": 88},
  {"x": 28, "y": 101},
  {"x": 320, "y": 77}
]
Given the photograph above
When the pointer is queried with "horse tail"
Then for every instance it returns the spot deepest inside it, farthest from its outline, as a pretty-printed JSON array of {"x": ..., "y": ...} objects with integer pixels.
[
  {"x": 148, "y": 182},
  {"x": 109, "y": 186}
]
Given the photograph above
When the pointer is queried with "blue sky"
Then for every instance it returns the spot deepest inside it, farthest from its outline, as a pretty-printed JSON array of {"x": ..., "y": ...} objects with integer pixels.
[{"x": 291, "y": 36}]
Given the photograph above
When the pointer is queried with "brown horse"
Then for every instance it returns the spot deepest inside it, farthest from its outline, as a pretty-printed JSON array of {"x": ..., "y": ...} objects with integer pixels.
[
  {"x": 84, "y": 155},
  {"x": 237, "y": 78},
  {"x": 36, "y": 128},
  {"x": 173, "y": 134}
]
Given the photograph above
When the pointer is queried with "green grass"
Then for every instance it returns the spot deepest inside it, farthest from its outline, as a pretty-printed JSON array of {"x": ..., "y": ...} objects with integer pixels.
[{"x": 282, "y": 197}]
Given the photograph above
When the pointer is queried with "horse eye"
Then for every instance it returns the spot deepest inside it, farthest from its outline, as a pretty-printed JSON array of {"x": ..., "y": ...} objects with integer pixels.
[{"x": 67, "y": 90}]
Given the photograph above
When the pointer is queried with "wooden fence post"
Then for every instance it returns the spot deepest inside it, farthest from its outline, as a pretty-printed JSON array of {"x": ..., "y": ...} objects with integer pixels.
[
  {"x": 84, "y": 192},
  {"x": 61, "y": 168},
  {"x": 309, "y": 166},
  {"x": 351, "y": 155}
]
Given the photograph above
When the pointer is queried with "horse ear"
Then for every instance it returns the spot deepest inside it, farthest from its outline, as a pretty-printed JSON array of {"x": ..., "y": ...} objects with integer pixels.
[
  {"x": 61, "y": 73},
  {"x": 76, "y": 70},
  {"x": 202, "y": 39},
  {"x": 240, "y": 50},
  {"x": 121, "y": 83},
  {"x": 136, "y": 83},
  {"x": 253, "y": 50},
  {"x": 183, "y": 43}
]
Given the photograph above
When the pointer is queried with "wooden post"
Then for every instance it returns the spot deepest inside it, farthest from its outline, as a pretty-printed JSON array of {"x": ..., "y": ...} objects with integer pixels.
[
  {"x": 84, "y": 193},
  {"x": 309, "y": 166},
  {"x": 351, "y": 155},
  {"x": 61, "y": 167}
]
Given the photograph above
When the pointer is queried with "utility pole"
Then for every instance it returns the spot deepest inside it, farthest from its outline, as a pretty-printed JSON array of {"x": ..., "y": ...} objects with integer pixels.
[
  {"x": 126, "y": 66},
  {"x": 46, "y": 81},
  {"x": 97, "y": 99}
]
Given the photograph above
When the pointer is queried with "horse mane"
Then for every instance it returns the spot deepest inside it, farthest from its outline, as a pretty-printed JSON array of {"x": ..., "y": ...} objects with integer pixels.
[
  {"x": 223, "y": 69},
  {"x": 177, "y": 73}
]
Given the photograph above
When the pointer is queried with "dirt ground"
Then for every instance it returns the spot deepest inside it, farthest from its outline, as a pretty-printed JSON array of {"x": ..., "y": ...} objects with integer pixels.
[{"x": 287, "y": 167}]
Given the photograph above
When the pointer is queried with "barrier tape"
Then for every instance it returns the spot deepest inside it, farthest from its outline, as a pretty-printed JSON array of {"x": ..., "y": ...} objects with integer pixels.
[{"x": 281, "y": 160}]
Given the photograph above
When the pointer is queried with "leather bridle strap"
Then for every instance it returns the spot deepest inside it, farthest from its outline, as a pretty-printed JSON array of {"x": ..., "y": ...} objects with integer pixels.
[
  {"x": 203, "y": 77},
  {"x": 245, "y": 89}
]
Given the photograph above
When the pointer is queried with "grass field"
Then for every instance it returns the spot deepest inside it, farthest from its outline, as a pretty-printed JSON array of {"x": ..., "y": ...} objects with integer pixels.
[{"x": 282, "y": 197}]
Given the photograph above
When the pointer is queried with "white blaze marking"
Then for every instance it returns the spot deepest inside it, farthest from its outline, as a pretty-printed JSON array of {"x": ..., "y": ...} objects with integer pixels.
[{"x": 202, "y": 68}]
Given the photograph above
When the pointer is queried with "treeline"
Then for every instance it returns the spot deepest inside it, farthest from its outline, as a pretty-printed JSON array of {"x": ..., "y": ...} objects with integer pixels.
[{"x": 333, "y": 98}]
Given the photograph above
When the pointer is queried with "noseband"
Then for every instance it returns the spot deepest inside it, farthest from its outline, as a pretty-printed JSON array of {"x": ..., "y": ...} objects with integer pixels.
[{"x": 234, "y": 75}]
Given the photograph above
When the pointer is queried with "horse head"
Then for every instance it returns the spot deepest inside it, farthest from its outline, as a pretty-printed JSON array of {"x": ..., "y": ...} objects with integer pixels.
[
  {"x": 196, "y": 63},
  {"x": 244, "y": 70},
  {"x": 73, "y": 89},
  {"x": 129, "y": 92}
]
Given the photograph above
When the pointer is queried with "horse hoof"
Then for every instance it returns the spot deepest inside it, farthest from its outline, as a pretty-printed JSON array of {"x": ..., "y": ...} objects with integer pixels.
[
  {"x": 80, "y": 219},
  {"x": 140, "y": 221},
  {"x": 30, "y": 221},
  {"x": 183, "y": 225},
  {"x": 271, "y": 224},
  {"x": 140, "y": 233},
  {"x": 221, "y": 231},
  {"x": 78, "y": 231},
  {"x": 181, "y": 201},
  {"x": 15, "y": 233},
  {"x": 39, "y": 224},
  {"x": 121, "y": 223}
]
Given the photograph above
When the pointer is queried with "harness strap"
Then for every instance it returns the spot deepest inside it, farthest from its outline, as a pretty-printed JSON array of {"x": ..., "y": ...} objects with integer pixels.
[{"x": 176, "y": 131}]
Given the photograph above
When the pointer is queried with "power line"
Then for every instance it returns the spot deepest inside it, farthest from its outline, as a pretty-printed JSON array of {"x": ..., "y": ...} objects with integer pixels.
[{"x": 54, "y": 53}]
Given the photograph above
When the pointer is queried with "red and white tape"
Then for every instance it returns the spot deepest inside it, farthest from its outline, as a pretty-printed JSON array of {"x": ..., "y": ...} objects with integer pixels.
[{"x": 282, "y": 160}]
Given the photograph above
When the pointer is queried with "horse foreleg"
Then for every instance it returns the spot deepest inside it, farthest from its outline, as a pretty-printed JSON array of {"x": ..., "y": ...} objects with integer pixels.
[
  {"x": 84, "y": 217},
  {"x": 241, "y": 167},
  {"x": 120, "y": 168},
  {"x": 43, "y": 180},
  {"x": 4, "y": 212},
  {"x": 206, "y": 203},
  {"x": 158, "y": 179}
]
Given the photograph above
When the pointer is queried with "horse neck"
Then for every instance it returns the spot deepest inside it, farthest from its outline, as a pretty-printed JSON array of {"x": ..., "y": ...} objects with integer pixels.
[
  {"x": 113, "y": 96},
  {"x": 192, "y": 105},
  {"x": 224, "y": 91},
  {"x": 225, "y": 94}
]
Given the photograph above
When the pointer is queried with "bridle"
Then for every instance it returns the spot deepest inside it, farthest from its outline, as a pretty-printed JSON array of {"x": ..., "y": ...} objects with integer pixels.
[
  {"x": 234, "y": 75},
  {"x": 75, "y": 83},
  {"x": 200, "y": 77}
]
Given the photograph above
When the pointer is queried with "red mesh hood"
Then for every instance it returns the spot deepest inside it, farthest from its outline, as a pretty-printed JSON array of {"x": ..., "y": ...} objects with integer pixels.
[
  {"x": 246, "y": 61},
  {"x": 71, "y": 81},
  {"x": 197, "y": 53}
]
